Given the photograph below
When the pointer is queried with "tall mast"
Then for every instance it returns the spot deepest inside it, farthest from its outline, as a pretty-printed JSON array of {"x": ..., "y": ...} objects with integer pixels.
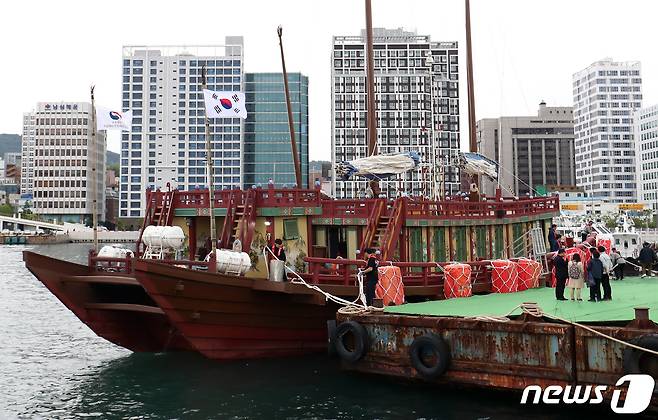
[
  {"x": 94, "y": 176},
  {"x": 291, "y": 126},
  {"x": 211, "y": 198},
  {"x": 370, "y": 84},
  {"x": 473, "y": 145}
]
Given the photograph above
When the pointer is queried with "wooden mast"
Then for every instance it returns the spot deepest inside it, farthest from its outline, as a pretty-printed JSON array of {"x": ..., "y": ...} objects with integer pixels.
[
  {"x": 473, "y": 145},
  {"x": 291, "y": 126},
  {"x": 93, "y": 156},
  {"x": 211, "y": 198},
  {"x": 370, "y": 83}
]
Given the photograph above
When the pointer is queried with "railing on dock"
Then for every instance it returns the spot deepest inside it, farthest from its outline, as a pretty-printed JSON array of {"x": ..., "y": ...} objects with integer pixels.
[{"x": 343, "y": 272}]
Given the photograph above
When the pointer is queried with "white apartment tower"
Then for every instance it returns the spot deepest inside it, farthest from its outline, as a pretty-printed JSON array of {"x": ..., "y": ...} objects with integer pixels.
[
  {"x": 162, "y": 87},
  {"x": 645, "y": 127},
  {"x": 63, "y": 155},
  {"x": 417, "y": 100},
  {"x": 27, "y": 152},
  {"x": 605, "y": 95}
]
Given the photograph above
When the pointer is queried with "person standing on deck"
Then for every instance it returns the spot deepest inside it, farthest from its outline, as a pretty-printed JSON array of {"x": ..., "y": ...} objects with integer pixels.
[
  {"x": 576, "y": 276},
  {"x": 372, "y": 275},
  {"x": 619, "y": 264},
  {"x": 595, "y": 269},
  {"x": 278, "y": 250},
  {"x": 552, "y": 238},
  {"x": 647, "y": 258},
  {"x": 561, "y": 274},
  {"x": 607, "y": 268}
]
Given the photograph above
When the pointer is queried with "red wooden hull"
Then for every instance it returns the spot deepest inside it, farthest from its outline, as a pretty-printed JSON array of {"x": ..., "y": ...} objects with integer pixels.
[
  {"x": 115, "y": 307},
  {"x": 225, "y": 317}
]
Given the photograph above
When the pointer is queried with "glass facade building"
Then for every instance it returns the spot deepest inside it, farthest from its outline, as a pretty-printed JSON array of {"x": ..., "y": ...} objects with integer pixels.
[{"x": 267, "y": 152}]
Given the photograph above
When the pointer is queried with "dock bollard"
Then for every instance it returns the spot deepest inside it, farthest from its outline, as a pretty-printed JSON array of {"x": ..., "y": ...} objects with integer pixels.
[{"x": 642, "y": 316}]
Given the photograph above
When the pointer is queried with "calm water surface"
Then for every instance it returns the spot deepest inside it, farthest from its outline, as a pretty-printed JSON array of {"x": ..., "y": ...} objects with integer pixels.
[{"x": 52, "y": 366}]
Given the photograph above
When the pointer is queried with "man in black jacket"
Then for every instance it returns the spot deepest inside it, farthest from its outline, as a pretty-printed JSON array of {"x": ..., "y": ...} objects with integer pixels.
[
  {"x": 647, "y": 258},
  {"x": 561, "y": 274},
  {"x": 595, "y": 269}
]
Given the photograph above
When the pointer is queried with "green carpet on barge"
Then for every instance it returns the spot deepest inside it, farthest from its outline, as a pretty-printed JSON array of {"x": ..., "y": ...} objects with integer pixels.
[{"x": 626, "y": 294}]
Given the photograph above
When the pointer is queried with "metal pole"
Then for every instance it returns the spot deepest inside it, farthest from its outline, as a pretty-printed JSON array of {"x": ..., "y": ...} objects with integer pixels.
[
  {"x": 211, "y": 196},
  {"x": 473, "y": 146},
  {"x": 370, "y": 83},
  {"x": 92, "y": 161},
  {"x": 291, "y": 126}
]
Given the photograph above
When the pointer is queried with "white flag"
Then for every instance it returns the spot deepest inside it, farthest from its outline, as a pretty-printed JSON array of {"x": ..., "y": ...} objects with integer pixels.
[
  {"x": 225, "y": 104},
  {"x": 110, "y": 119}
]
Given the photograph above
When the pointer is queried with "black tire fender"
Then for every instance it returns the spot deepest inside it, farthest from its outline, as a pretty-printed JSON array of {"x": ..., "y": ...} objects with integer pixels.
[
  {"x": 631, "y": 358},
  {"x": 360, "y": 341},
  {"x": 436, "y": 345}
]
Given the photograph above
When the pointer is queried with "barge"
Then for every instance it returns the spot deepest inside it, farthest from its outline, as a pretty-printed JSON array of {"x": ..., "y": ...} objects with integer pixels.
[{"x": 490, "y": 341}]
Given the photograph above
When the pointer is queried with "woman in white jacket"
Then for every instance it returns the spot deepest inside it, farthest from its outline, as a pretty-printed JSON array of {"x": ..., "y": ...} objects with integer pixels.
[{"x": 576, "y": 277}]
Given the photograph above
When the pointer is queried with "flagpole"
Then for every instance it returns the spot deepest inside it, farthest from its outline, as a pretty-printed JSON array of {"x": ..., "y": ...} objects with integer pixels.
[
  {"x": 211, "y": 199},
  {"x": 91, "y": 157}
]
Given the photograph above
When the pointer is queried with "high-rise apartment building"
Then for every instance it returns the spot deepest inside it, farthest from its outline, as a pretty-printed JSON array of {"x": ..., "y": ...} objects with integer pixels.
[
  {"x": 531, "y": 150},
  {"x": 417, "y": 100},
  {"x": 27, "y": 152},
  {"x": 645, "y": 129},
  {"x": 63, "y": 154},
  {"x": 162, "y": 87},
  {"x": 267, "y": 149},
  {"x": 605, "y": 95}
]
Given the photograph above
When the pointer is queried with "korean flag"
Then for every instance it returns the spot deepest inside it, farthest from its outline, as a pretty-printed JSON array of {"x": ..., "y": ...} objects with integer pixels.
[{"x": 224, "y": 104}]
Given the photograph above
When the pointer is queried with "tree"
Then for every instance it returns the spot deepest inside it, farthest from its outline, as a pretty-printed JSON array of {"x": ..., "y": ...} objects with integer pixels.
[{"x": 7, "y": 210}]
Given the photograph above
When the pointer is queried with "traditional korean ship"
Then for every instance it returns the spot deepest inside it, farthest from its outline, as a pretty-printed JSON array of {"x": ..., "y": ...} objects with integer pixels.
[{"x": 206, "y": 296}]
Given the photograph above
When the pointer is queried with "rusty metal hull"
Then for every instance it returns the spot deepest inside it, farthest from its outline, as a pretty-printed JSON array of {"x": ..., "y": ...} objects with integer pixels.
[{"x": 502, "y": 355}]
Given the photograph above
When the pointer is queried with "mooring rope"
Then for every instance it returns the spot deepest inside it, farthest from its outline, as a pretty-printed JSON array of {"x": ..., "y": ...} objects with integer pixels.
[{"x": 351, "y": 308}]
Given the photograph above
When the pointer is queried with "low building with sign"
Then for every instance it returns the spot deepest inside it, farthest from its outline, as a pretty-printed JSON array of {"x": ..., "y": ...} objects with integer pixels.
[{"x": 60, "y": 156}]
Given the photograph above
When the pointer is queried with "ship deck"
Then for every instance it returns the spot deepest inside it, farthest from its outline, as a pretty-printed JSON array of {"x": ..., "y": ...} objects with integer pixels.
[{"x": 630, "y": 293}]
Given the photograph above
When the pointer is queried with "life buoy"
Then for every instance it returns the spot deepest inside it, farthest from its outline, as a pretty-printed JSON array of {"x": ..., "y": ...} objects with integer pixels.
[
  {"x": 351, "y": 341},
  {"x": 637, "y": 361},
  {"x": 430, "y": 355}
]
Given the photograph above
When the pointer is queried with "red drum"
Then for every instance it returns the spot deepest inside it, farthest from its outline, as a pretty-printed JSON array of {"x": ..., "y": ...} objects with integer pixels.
[
  {"x": 457, "y": 280},
  {"x": 390, "y": 288},
  {"x": 529, "y": 271},
  {"x": 505, "y": 276}
]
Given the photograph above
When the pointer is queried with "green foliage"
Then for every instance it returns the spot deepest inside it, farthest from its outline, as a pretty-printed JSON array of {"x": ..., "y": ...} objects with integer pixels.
[{"x": 7, "y": 210}]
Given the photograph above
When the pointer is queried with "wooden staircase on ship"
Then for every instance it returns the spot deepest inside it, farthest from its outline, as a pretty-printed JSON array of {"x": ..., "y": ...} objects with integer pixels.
[
  {"x": 240, "y": 222},
  {"x": 159, "y": 212},
  {"x": 384, "y": 228}
]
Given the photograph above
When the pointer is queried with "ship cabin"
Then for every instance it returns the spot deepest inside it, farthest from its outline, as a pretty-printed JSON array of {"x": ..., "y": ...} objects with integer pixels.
[{"x": 324, "y": 237}]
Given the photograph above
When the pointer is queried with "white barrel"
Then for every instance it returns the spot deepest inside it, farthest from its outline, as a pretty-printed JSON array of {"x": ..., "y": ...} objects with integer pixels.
[
  {"x": 233, "y": 262},
  {"x": 114, "y": 251},
  {"x": 152, "y": 236},
  {"x": 173, "y": 237},
  {"x": 277, "y": 270}
]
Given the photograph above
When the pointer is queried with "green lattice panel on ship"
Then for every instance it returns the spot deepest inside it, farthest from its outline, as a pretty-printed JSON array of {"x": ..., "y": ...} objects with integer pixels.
[{"x": 630, "y": 293}]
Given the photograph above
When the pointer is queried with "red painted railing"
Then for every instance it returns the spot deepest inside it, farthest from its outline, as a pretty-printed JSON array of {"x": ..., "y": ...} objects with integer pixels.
[
  {"x": 343, "y": 272},
  {"x": 490, "y": 208},
  {"x": 264, "y": 197}
]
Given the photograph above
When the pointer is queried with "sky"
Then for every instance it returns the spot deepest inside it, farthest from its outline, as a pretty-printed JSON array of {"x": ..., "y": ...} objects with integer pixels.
[{"x": 524, "y": 51}]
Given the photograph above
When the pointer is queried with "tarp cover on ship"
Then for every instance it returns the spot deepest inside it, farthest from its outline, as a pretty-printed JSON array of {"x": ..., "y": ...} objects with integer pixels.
[{"x": 378, "y": 166}]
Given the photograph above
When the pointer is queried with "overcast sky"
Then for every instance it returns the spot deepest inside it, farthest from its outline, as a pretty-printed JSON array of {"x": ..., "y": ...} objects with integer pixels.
[{"x": 524, "y": 50}]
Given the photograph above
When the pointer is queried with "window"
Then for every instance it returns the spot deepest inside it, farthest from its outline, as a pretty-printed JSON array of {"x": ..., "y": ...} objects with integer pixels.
[{"x": 290, "y": 229}]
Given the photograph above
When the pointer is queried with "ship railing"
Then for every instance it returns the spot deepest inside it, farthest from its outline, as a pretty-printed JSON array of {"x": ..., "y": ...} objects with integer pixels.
[
  {"x": 287, "y": 197},
  {"x": 341, "y": 271},
  {"x": 484, "y": 209},
  {"x": 351, "y": 208},
  {"x": 126, "y": 265},
  {"x": 199, "y": 199}
]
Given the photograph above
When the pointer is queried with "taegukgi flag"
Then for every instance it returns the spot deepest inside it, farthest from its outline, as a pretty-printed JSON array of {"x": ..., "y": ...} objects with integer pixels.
[
  {"x": 224, "y": 104},
  {"x": 110, "y": 119}
]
